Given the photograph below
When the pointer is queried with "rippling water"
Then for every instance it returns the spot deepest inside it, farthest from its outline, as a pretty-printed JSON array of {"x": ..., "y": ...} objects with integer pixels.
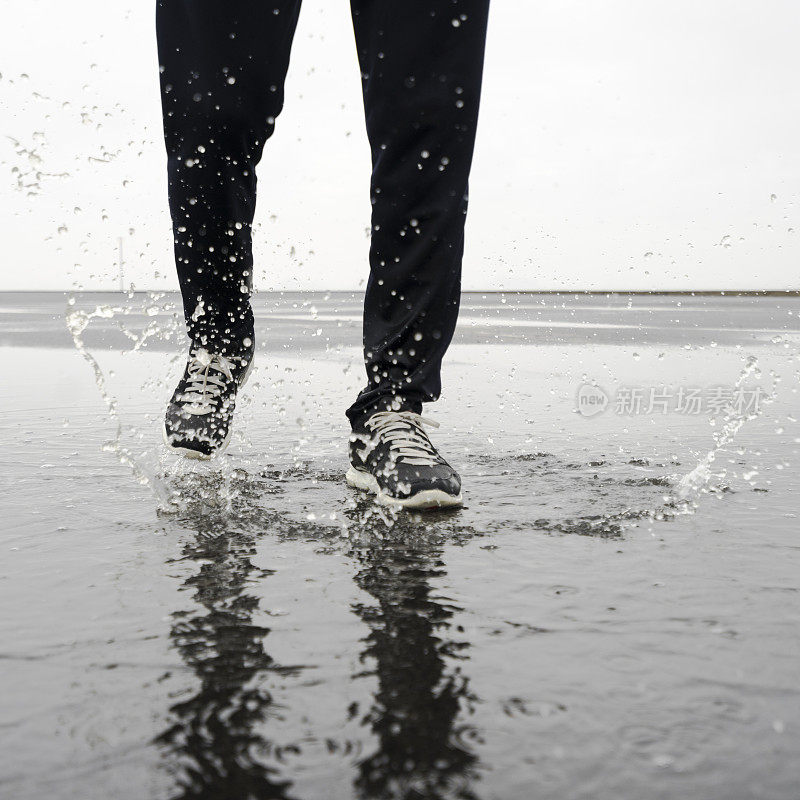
[{"x": 593, "y": 624}]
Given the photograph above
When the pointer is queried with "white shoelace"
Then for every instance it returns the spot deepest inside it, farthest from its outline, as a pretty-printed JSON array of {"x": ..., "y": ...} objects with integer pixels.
[
  {"x": 403, "y": 431},
  {"x": 203, "y": 387}
]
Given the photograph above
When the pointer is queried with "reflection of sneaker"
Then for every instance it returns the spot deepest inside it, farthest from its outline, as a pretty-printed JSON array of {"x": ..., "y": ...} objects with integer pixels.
[
  {"x": 198, "y": 419},
  {"x": 392, "y": 457}
]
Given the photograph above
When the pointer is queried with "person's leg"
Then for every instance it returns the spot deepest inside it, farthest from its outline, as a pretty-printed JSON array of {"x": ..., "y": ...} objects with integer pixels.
[
  {"x": 421, "y": 64},
  {"x": 223, "y": 64}
]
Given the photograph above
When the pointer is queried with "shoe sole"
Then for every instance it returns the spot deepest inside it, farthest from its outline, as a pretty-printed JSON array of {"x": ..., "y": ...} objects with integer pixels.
[
  {"x": 426, "y": 499},
  {"x": 187, "y": 452}
]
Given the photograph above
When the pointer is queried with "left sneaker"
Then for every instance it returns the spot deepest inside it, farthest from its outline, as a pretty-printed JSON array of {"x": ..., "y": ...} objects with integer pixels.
[
  {"x": 392, "y": 457},
  {"x": 199, "y": 415}
]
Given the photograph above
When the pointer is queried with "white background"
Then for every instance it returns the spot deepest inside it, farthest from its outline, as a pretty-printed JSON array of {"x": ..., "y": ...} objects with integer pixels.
[{"x": 622, "y": 145}]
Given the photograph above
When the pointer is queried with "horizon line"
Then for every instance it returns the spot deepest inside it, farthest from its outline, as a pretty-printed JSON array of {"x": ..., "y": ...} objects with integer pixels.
[{"x": 681, "y": 292}]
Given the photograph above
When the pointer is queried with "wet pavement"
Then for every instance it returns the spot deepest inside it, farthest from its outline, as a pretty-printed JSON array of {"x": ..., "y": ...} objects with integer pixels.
[{"x": 613, "y": 613}]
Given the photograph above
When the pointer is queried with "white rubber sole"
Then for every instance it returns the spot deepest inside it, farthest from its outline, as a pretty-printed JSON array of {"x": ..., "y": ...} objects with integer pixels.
[
  {"x": 187, "y": 452},
  {"x": 429, "y": 498}
]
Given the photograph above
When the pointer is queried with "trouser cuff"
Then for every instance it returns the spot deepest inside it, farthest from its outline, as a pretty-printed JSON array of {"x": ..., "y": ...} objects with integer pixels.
[{"x": 358, "y": 415}]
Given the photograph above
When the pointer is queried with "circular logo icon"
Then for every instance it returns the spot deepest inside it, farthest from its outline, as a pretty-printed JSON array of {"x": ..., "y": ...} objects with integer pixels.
[{"x": 590, "y": 400}]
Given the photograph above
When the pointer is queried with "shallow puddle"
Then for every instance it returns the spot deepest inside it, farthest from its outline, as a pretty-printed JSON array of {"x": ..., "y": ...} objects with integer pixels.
[{"x": 612, "y": 614}]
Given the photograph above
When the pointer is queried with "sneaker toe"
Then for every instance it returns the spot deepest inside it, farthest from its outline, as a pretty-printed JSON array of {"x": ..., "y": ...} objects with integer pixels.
[
  {"x": 185, "y": 434},
  {"x": 441, "y": 477},
  {"x": 196, "y": 445}
]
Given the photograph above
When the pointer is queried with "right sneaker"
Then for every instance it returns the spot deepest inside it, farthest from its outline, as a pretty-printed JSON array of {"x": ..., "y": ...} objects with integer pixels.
[
  {"x": 200, "y": 413},
  {"x": 392, "y": 457}
]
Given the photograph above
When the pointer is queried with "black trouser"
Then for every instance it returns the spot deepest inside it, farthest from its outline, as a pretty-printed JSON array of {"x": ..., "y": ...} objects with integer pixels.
[{"x": 223, "y": 64}]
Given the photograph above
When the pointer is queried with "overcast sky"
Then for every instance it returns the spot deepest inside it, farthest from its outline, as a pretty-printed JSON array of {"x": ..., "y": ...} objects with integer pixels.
[{"x": 622, "y": 145}]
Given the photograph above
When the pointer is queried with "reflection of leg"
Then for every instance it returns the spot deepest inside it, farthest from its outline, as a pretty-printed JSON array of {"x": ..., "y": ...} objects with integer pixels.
[
  {"x": 213, "y": 738},
  {"x": 417, "y": 704},
  {"x": 421, "y": 63},
  {"x": 223, "y": 66}
]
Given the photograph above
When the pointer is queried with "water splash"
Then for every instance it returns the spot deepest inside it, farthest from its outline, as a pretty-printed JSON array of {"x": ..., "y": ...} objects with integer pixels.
[
  {"x": 696, "y": 482},
  {"x": 77, "y": 322}
]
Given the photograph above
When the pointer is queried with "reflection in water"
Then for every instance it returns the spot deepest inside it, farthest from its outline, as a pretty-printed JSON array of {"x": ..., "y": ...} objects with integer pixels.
[
  {"x": 422, "y": 747},
  {"x": 212, "y": 743},
  {"x": 419, "y": 715},
  {"x": 215, "y": 745}
]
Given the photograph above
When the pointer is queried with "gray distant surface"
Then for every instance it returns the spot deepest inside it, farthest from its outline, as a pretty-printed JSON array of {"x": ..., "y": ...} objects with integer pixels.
[{"x": 305, "y": 321}]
